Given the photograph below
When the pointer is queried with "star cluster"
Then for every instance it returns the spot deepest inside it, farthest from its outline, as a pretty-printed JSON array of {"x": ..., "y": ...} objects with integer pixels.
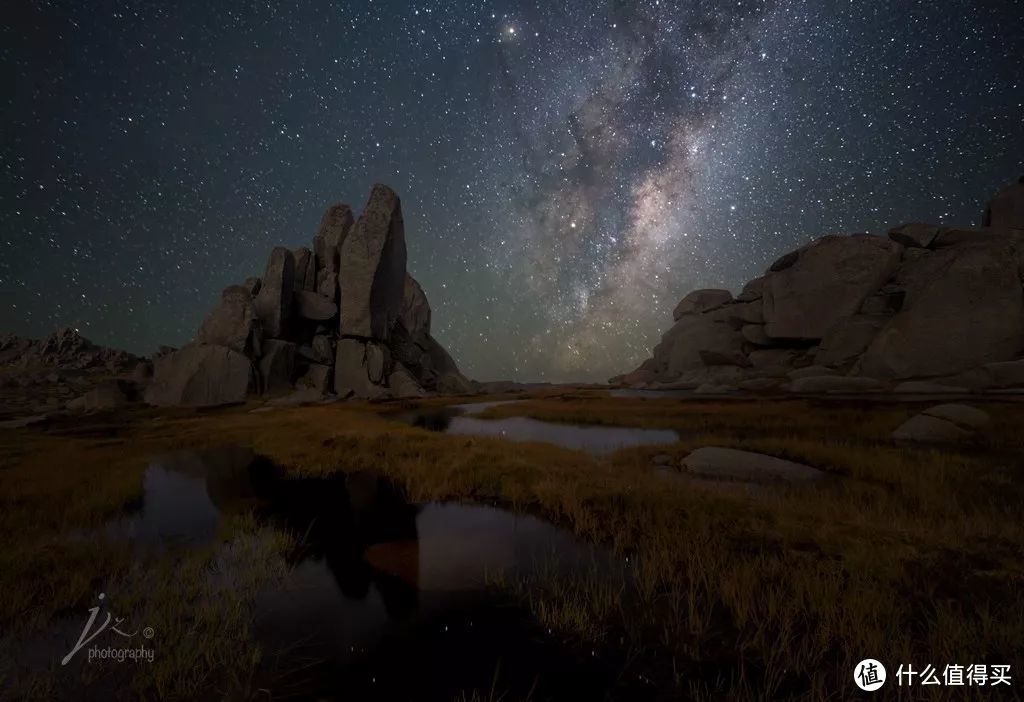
[{"x": 568, "y": 170}]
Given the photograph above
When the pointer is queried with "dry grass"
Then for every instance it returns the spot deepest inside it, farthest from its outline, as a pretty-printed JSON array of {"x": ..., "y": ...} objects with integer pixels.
[
  {"x": 217, "y": 588},
  {"x": 907, "y": 555}
]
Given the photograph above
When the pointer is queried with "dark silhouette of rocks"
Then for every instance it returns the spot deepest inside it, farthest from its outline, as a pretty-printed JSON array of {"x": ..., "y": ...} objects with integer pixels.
[
  {"x": 66, "y": 349},
  {"x": 277, "y": 287},
  {"x": 233, "y": 323},
  {"x": 342, "y": 316},
  {"x": 334, "y": 227},
  {"x": 201, "y": 374},
  {"x": 828, "y": 281},
  {"x": 1006, "y": 209},
  {"x": 716, "y": 463},
  {"x": 941, "y": 307},
  {"x": 943, "y": 424},
  {"x": 372, "y": 274},
  {"x": 925, "y": 310},
  {"x": 305, "y": 270},
  {"x": 43, "y": 375},
  {"x": 701, "y": 301},
  {"x": 277, "y": 365}
]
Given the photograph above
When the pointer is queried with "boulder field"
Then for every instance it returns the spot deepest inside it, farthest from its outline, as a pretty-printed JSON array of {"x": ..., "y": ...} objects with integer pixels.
[
  {"x": 924, "y": 307},
  {"x": 341, "y": 317},
  {"x": 41, "y": 376}
]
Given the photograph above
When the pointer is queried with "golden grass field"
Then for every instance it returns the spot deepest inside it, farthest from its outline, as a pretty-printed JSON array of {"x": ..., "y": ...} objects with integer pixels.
[{"x": 905, "y": 554}]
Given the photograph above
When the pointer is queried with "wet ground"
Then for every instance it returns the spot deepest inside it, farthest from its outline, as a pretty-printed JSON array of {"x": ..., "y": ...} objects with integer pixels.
[
  {"x": 652, "y": 394},
  {"x": 594, "y": 439},
  {"x": 383, "y": 599}
]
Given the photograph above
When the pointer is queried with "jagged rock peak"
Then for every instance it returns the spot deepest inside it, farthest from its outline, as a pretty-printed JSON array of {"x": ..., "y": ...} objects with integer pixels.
[
  {"x": 372, "y": 274},
  {"x": 64, "y": 348},
  {"x": 342, "y": 315}
]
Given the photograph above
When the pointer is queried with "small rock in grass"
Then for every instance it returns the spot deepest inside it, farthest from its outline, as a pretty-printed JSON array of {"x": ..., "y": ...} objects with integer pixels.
[{"x": 715, "y": 462}]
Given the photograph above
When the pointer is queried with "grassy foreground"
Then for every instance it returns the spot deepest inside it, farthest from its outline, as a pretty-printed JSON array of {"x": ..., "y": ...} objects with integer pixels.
[{"x": 907, "y": 555}]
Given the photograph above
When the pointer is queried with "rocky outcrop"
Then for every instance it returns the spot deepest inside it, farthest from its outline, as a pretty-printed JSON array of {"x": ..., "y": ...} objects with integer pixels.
[
  {"x": 828, "y": 280},
  {"x": 697, "y": 340},
  {"x": 963, "y": 307},
  {"x": 330, "y": 235},
  {"x": 914, "y": 234},
  {"x": 1007, "y": 374},
  {"x": 1006, "y": 209},
  {"x": 732, "y": 464},
  {"x": 322, "y": 349},
  {"x": 847, "y": 339},
  {"x": 39, "y": 376},
  {"x": 314, "y": 306},
  {"x": 274, "y": 300},
  {"x": 415, "y": 312},
  {"x": 938, "y": 305},
  {"x": 943, "y": 424},
  {"x": 277, "y": 366},
  {"x": 359, "y": 368},
  {"x": 402, "y": 383},
  {"x": 305, "y": 270},
  {"x": 201, "y": 375},
  {"x": 342, "y": 316},
  {"x": 67, "y": 349},
  {"x": 701, "y": 301},
  {"x": 372, "y": 275},
  {"x": 318, "y": 377},
  {"x": 233, "y": 323}
]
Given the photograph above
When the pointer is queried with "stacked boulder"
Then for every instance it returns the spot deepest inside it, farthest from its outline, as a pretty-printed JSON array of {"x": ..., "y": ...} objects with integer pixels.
[
  {"x": 341, "y": 317},
  {"x": 861, "y": 313}
]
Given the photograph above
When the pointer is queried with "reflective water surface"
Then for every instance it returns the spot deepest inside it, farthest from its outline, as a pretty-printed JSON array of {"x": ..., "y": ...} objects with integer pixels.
[
  {"x": 595, "y": 439},
  {"x": 384, "y": 598}
]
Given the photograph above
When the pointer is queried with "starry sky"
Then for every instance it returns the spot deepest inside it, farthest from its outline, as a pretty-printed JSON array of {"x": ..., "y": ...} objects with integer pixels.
[{"x": 568, "y": 170}]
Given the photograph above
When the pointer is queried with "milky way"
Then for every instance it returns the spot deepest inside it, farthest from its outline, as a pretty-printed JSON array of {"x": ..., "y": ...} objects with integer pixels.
[{"x": 568, "y": 170}]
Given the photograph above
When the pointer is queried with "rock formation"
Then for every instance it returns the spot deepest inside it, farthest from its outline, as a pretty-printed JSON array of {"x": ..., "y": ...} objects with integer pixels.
[
  {"x": 372, "y": 273},
  {"x": 1006, "y": 209},
  {"x": 733, "y": 464},
  {"x": 862, "y": 313},
  {"x": 341, "y": 316},
  {"x": 65, "y": 349},
  {"x": 44, "y": 375},
  {"x": 277, "y": 287},
  {"x": 199, "y": 375},
  {"x": 233, "y": 323},
  {"x": 943, "y": 424}
]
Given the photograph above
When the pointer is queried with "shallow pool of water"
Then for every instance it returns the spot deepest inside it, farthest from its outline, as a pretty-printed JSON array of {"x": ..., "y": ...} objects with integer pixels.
[
  {"x": 185, "y": 495},
  {"x": 383, "y": 598},
  {"x": 595, "y": 439}
]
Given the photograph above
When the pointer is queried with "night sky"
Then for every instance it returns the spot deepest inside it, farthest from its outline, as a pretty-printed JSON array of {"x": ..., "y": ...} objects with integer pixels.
[{"x": 568, "y": 170}]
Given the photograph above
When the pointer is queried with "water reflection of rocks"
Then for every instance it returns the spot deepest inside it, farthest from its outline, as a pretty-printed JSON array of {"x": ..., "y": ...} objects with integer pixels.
[
  {"x": 373, "y": 577},
  {"x": 594, "y": 439}
]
